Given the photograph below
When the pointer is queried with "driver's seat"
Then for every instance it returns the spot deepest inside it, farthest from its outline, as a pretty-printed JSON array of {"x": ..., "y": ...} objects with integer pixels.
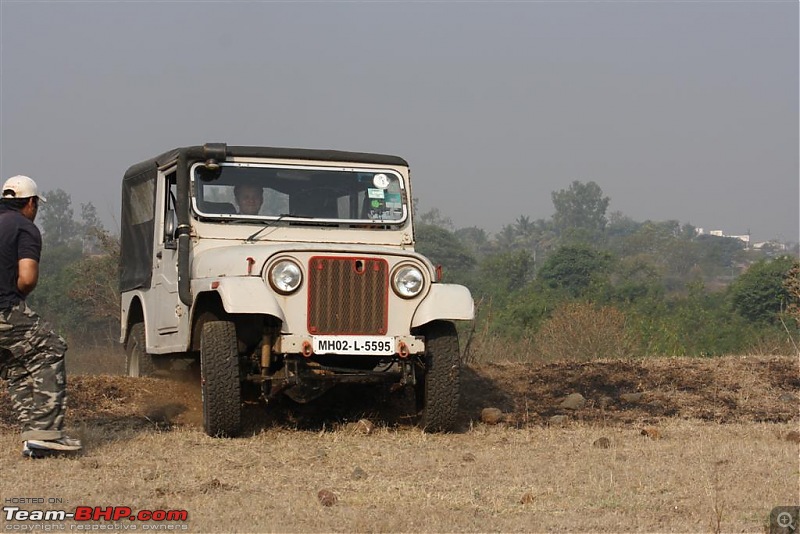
[{"x": 311, "y": 205}]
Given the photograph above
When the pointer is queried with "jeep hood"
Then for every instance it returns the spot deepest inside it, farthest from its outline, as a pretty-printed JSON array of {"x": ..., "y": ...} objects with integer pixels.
[{"x": 250, "y": 259}]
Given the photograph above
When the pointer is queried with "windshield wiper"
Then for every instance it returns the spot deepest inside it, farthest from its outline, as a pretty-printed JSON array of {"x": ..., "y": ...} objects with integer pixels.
[{"x": 269, "y": 223}]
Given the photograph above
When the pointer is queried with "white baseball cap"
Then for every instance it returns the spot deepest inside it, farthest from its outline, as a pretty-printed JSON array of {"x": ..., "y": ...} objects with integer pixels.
[{"x": 20, "y": 186}]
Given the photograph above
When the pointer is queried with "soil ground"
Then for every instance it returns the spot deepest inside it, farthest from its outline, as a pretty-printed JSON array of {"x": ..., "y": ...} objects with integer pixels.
[
  {"x": 723, "y": 390},
  {"x": 656, "y": 445}
]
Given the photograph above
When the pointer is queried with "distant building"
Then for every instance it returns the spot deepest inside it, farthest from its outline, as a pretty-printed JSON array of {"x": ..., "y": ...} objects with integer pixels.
[
  {"x": 719, "y": 233},
  {"x": 745, "y": 238},
  {"x": 769, "y": 245}
]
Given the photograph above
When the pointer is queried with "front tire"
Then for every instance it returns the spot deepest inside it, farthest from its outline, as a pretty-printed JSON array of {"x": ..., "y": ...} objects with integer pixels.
[
  {"x": 439, "y": 378},
  {"x": 138, "y": 362},
  {"x": 220, "y": 381}
]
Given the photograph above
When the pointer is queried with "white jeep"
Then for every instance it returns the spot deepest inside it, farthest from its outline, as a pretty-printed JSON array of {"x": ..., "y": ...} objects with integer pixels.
[{"x": 285, "y": 271}]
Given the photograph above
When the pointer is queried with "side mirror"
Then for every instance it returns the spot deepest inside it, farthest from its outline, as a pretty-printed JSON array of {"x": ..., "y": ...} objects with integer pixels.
[{"x": 170, "y": 224}]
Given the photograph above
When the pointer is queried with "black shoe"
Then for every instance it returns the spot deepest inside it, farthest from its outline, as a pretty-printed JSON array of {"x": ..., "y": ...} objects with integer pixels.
[{"x": 27, "y": 452}]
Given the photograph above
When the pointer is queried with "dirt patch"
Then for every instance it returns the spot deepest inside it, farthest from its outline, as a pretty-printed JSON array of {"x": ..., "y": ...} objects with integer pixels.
[
  {"x": 725, "y": 390},
  {"x": 123, "y": 403}
]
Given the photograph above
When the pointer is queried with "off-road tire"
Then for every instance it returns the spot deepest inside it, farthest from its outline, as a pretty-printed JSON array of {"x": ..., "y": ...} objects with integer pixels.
[
  {"x": 220, "y": 380},
  {"x": 137, "y": 361},
  {"x": 439, "y": 378}
]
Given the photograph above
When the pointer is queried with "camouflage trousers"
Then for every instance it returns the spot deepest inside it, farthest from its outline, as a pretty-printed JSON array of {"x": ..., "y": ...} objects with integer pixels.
[{"x": 32, "y": 360}]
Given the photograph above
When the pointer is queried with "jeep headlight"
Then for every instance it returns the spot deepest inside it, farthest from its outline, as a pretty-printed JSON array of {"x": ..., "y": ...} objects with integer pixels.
[
  {"x": 408, "y": 281},
  {"x": 285, "y": 276}
]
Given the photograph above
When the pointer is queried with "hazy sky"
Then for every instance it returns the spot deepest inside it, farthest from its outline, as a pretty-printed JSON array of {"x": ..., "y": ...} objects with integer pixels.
[{"x": 678, "y": 110}]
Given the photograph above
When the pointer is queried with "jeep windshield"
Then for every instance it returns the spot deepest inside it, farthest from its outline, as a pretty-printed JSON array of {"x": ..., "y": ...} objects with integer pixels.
[{"x": 259, "y": 192}]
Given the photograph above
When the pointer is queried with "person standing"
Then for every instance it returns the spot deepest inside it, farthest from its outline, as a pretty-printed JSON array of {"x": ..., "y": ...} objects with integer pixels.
[{"x": 31, "y": 355}]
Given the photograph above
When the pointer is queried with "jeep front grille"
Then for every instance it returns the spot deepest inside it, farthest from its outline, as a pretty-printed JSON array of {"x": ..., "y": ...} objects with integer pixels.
[{"x": 347, "y": 295}]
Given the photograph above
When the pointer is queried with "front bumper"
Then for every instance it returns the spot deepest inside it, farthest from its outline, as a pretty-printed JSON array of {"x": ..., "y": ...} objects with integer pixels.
[{"x": 304, "y": 344}]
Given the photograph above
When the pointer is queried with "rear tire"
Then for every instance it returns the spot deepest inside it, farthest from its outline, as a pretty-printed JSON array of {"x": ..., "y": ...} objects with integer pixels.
[
  {"x": 138, "y": 362},
  {"x": 439, "y": 378},
  {"x": 219, "y": 378}
]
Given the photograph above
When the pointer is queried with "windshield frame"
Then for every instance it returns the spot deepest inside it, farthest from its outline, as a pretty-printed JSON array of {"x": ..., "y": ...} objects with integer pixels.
[{"x": 301, "y": 219}]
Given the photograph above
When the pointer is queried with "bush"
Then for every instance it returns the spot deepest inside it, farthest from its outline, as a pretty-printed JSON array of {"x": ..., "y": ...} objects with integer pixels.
[
  {"x": 579, "y": 330},
  {"x": 697, "y": 324}
]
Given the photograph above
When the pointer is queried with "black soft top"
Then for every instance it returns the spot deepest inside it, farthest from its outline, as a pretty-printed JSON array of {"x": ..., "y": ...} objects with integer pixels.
[{"x": 272, "y": 152}]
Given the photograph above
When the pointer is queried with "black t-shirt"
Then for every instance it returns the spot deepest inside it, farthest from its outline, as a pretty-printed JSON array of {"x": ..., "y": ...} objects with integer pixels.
[{"x": 19, "y": 239}]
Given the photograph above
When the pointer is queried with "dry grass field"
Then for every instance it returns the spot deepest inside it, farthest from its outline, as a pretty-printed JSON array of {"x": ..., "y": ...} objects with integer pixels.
[{"x": 657, "y": 445}]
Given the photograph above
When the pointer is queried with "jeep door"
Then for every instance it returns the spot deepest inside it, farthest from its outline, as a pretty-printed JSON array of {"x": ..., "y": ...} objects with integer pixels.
[{"x": 164, "y": 293}]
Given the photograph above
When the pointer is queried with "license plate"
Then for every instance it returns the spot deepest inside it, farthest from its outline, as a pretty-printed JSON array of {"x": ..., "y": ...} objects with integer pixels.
[{"x": 357, "y": 345}]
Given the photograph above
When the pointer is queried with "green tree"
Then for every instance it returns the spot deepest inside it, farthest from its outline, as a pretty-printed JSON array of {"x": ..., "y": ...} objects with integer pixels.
[
  {"x": 523, "y": 313},
  {"x": 525, "y": 228},
  {"x": 580, "y": 209},
  {"x": 506, "y": 239},
  {"x": 93, "y": 288},
  {"x": 620, "y": 225},
  {"x": 650, "y": 237},
  {"x": 718, "y": 255},
  {"x": 65, "y": 241},
  {"x": 575, "y": 269},
  {"x": 433, "y": 217},
  {"x": 50, "y": 298},
  {"x": 668, "y": 247},
  {"x": 442, "y": 247},
  {"x": 635, "y": 278},
  {"x": 91, "y": 229},
  {"x": 760, "y": 293},
  {"x": 504, "y": 273},
  {"x": 475, "y": 239},
  {"x": 56, "y": 220}
]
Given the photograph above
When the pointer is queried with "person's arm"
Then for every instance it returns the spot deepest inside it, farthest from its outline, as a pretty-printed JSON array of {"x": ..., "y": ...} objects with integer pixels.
[
  {"x": 28, "y": 275},
  {"x": 28, "y": 252}
]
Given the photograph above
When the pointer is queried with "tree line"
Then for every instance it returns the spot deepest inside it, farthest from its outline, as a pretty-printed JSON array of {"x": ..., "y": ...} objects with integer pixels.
[
  {"x": 589, "y": 284},
  {"x": 78, "y": 273},
  {"x": 583, "y": 283}
]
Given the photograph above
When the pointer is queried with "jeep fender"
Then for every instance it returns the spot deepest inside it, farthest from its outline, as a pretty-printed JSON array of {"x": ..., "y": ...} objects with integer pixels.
[
  {"x": 132, "y": 309},
  {"x": 445, "y": 301},
  {"x": 242, "y": 294}
]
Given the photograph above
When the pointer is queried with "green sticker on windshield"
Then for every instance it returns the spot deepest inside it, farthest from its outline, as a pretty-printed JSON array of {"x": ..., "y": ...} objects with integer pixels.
[{"x": 394, "y": 200}]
